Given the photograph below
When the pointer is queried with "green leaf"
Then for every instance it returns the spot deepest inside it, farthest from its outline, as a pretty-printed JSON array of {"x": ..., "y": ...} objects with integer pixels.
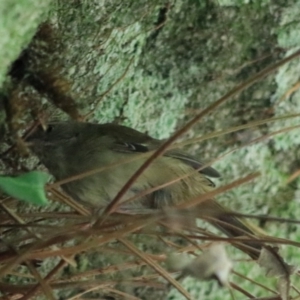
[{"x": 28, "y": 187}]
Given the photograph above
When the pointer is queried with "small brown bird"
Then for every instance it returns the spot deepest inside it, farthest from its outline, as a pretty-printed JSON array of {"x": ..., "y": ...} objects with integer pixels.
[{"x": 72, "y": 148}]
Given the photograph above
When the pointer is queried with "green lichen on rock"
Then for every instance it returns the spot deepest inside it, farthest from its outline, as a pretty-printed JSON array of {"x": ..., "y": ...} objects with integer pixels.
[{"x": 18, "y": 23}]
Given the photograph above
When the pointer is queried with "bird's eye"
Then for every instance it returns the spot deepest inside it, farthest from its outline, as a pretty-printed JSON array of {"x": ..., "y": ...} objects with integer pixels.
[{"x": 49, "y": 128}]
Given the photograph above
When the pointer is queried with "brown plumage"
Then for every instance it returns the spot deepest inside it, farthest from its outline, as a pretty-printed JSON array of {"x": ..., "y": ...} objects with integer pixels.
[{"x": 72, "y": 148}]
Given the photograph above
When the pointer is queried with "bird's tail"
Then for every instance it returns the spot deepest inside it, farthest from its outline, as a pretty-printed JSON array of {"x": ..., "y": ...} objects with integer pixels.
[{"x": 234, "y": 227}]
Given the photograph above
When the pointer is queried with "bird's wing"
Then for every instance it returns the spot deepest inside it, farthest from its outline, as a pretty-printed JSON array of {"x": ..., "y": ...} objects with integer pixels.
[
  {"x": 130, "y": 140},
  {"x": 193, "y": 162}
]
